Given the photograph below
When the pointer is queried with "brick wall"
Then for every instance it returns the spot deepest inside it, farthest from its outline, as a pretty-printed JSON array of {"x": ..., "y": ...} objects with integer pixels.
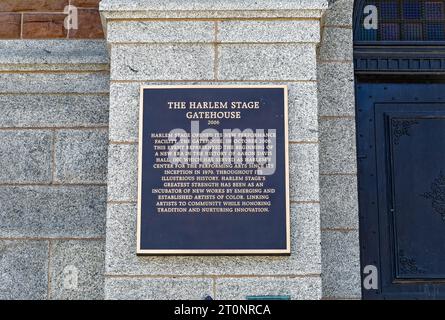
[{"x": 44, "y": 19}]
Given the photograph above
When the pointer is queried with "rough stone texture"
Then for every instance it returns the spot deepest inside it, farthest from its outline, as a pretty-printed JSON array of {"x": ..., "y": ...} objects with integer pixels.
[
  {"x": 124, "y": 5},
  {"x": 94, "y": 82},
  {"x": 121, "y": 9},
  {"x": 77, "y": 269},
  {"x": 162, "y": 62},
  {"x": 81, "y": 156},
  {"x": 337, "y": 44},
  {"x": 268, "y": 31},
  {"x": 35, "y": 103},
  {"x": 339, "y": 203},
  {"x": 302, "y": 113},
  {"x": 341, "y": 264},
  {"x": 301, "y": 288},
  {"x": 48, "y": 211},
  {"x": 51, "y": 52},
  {"x": 161, "y": 31},
  {"x": 303, "y": 171},
  {"x": 337, "y": 146},
  {"x": 158, "y": 288},
  {"x": 235, "y": 61},
  {"x": 267, "y": 62},
  {"x": 212, "y": 14},
  {"x": 27, "y": 110},
  {"x": 336, "y": 89},
  {"x": 339, "y": 13},
  {"x": 23, "y": 270},
  {"x": 122, "y": 172},
  {"x": 25, "y": 156},
  {"x": 338, "y": 189},
  {"x": 121, "y": 247}
]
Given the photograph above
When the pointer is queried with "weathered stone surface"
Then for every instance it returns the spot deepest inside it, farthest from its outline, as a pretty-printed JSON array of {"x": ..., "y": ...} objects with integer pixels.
[
  {"x": 52, "y": 54},
  {"x": 337, "y": 146},
  {"x": 58, "y": 110},
  {"x": 122, "y": 172},
  {"x": 162, "y": 62},
  {"x": 339, "y": 203},
  {"x": 337, "y": 44},
  {"x": 336, "y": 89},
  {"x": 339, "y": 13},
  {"x": 267, "y": 62},
  {"x": 25, "y": 156},
  {"x": 47, "y": 211},
  {"x": 121, "y": 247},
  {"x": 159, "y": 5},
  {"x": 268, "y": 31},
  {"x": 303, "y": 172},
  {"x": 77, "y": 269},
  {"x": 81, "y": 156},
  {"x": 161, "y": 31},
  {"x": 302, "y": 113},
  {"x": 298, "y": 288},
  {"x": 341, "y": 264},
  {"x": 95, "y": 82},
  {"x": 23, "y": 270},
  {"x": 158, "y": 288}
]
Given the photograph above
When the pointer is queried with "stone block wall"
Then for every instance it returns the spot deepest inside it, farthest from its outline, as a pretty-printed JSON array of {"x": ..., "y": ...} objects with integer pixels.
[
  {"x": 338, "y": 169},
  {"x": 53, "y": 159},
  {"x": 226, "y": 42},
  {"x": 44, "y": 19},
  {"x": 69, "y": 137}
]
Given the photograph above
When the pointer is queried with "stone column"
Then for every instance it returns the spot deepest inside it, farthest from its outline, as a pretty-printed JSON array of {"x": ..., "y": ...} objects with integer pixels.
[{"x": 212, "y": 42}]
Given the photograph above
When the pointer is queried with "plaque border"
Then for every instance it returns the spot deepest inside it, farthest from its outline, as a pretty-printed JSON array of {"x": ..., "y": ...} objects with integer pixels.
[{"x": 198, "y": 252}]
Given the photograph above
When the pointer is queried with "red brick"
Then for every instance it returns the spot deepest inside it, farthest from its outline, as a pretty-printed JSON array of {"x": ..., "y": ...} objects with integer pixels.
[
  {"x": 32, "y": 5},
  {"x": 85, "y": 3},
  {"x": 10, "y": 25},
  {"x": 43, "y": 26},
  {"x": 89, "y": 25}
]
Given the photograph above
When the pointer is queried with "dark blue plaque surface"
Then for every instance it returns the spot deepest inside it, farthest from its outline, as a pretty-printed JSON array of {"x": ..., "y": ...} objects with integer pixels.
[{"x": 170, "y": 224}]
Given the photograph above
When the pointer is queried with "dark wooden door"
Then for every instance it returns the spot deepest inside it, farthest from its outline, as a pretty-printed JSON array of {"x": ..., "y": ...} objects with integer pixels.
[{"x": 401, "y": 167}]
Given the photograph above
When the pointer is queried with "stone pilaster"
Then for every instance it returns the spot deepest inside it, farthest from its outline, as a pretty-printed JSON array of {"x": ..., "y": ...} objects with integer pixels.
[{"x": 213, "y": 42}]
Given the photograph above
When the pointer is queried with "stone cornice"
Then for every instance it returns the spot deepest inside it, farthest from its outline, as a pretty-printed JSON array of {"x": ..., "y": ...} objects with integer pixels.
[{"x": 211, "y": 9}]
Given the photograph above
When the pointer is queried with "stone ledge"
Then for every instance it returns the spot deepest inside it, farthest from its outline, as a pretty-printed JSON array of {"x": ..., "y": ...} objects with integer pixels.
[
  {"x": 112, "y": 9},
  {"x": 53, "y": 55}
]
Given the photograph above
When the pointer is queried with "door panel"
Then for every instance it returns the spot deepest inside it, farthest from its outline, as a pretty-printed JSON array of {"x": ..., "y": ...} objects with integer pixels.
[{"x": 401, "y": 163}]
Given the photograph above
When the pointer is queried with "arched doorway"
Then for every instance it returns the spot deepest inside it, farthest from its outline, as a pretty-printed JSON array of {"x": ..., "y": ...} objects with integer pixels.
[{"x": 399, "y": 61}]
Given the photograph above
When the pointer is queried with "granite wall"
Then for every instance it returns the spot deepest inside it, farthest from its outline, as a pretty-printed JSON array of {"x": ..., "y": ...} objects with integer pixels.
[
  {"x": 338, "y": 168},
  {"x": 68, "y": 151},
  {"x": 53, "y": 160},
  {"x": 222, "y": 42}
]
